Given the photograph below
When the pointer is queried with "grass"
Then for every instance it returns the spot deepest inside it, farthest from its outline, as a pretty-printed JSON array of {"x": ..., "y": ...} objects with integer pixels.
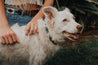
[{"x": 82, "y": 52}]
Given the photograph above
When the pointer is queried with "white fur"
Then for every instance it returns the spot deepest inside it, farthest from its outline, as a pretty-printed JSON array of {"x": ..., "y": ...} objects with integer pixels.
[{"x": 37, "y": 49}]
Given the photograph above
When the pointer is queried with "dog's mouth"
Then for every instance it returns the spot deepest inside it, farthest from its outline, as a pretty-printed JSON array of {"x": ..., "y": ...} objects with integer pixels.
[{"x": 71, "y": 36}]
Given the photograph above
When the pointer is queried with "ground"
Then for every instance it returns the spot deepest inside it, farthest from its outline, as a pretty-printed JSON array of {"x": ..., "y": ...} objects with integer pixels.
[{"x": 81, "y": 52}]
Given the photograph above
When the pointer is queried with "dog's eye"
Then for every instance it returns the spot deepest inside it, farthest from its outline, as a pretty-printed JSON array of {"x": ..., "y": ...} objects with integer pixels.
[{"x": 65, "y": 20}]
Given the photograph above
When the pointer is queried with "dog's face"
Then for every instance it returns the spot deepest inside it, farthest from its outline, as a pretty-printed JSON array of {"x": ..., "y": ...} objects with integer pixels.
[{"x": 61, "y": 24}]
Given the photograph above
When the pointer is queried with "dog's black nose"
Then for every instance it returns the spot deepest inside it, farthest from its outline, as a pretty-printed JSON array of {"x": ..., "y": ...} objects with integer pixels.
[{"x": 79, "y": 27}]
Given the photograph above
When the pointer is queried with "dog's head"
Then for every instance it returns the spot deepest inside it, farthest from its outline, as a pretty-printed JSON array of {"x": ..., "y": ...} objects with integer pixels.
[{"x": 61, "y": 24}]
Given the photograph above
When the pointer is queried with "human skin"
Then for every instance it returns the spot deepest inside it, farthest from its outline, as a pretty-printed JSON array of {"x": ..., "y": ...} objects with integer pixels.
[
  {"x": 7, "y": 35},
  {"x": 32, "y": 26}
]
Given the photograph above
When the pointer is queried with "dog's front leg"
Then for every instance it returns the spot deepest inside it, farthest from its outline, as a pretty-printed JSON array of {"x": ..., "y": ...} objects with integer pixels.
[
  {"x": 40, "y": 58},
  {"x": 38, "y": 61},
  {"x": 31, "y": 60}
]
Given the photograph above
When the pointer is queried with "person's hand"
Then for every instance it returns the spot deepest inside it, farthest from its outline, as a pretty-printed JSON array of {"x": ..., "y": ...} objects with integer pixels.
[
  {"x": 7, "y": 36},
  {"x": 31, "y": 28}
]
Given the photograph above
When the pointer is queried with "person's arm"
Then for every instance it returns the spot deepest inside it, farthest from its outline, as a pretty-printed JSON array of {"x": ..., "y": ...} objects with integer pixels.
[
  {"x": 32, "y": 26},
  {"x": 2, "y": 14},
  {"x": 7, "y": 36}
]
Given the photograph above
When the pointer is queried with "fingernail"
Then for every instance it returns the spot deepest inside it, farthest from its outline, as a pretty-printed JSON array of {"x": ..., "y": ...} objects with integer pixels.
[
  {"x": 26, "y": 34},
  {"x": 18, "y": 42}
]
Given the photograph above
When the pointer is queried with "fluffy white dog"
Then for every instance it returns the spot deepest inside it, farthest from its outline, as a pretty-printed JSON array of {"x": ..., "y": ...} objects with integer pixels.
[{"x": 37, "y": 49}]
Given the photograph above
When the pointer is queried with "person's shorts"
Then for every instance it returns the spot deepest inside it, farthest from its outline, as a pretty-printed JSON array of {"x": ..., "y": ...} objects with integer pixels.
[{"x": 19, "y": 19}]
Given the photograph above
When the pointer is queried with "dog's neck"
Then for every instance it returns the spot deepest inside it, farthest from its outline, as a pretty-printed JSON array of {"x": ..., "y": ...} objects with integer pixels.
[
  {"x": 44, "y": 31},
  {"x": 44, "y": 37},
  {"x": 47, "y": 32}
]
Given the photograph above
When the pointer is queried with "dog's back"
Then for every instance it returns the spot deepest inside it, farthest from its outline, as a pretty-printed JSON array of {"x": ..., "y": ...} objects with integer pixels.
[
  {"x": 16, "y": 53},
  {"x": 36, "y": 49},
  {"x": 32, "y": 49}
]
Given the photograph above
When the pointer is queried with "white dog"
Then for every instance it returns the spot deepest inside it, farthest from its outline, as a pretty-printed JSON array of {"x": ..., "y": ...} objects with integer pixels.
[{"x": 37, "y": 49}]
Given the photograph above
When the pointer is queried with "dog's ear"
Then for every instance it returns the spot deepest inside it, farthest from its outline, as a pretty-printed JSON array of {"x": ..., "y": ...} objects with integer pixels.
[
  {"x": 49, "y": 12},
  {"x": 67, "y": 10}
]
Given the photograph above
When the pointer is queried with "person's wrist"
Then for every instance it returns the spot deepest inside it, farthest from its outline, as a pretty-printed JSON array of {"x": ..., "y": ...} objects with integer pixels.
[
  {"x": 4, "y": 25},
  {"x": 36, "y": 18}
]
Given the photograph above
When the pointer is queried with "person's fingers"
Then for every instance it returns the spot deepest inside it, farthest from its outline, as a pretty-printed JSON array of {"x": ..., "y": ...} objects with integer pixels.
[
  {"x": 27, "y": 30},
  {"x": 17, "y": 39},
  {"x": 6, "y": 40},
  {"x": 10, "y": 39},
  {"x": 2, "y": 40},
  {"x": 14, "y": 37},
  {"x": 31, "y": 30},
  {"x": 35, "y": 29}
]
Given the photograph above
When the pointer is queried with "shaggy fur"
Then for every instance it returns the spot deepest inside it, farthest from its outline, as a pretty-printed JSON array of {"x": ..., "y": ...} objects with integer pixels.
[{"x": 37, "y": 49}]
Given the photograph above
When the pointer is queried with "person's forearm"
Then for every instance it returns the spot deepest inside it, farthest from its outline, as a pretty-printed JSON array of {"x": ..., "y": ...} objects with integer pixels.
[
  {"x": 3, "y": 19},
  {"x": 40, "y": 14}
]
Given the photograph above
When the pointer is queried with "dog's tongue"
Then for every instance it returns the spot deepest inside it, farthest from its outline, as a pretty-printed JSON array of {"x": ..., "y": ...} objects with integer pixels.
[{"x": 73, "y": 36}]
